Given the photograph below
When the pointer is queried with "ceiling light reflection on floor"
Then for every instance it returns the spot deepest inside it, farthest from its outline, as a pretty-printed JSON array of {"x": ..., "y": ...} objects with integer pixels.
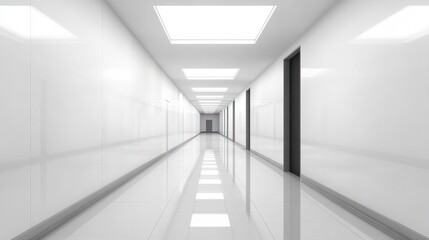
[
  {"x": 210, "y": 166},
  {"x": 209, "y": 172},
  {"x": 210, "y": 181},
  {"x": 209, "y": 196},
  {"x": 210, "y": 220}
]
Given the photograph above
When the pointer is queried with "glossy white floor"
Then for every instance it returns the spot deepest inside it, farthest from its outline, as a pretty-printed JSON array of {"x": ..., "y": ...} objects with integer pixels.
[{"x": 213, "y": 189}]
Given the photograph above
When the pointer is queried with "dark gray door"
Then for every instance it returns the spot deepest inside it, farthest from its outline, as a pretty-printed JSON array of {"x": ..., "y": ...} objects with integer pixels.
[
  {"x": 292, "y": 114},
  {"x": 209, "y": 126},
  {"x": 248, "y": 119}
]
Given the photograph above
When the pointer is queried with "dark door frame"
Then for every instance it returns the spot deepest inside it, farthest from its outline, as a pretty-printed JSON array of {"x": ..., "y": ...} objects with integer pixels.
[
  {"x": 248, "y": 119},
  {"x": 292, "y": 114}
]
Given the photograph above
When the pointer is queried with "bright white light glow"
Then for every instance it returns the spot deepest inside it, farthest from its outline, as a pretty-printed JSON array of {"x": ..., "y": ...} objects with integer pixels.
[
  {"x": 209, "y": 163},
  {"x": 210, "y": 181},
  {"x": 209, "y": 172},
  {"x": 312, "y": 72},
  {"x": 209, "y": 104},
  {"x": 210, "y": 73},
  {"x": 209, "y": 101},
  {"x": 210, "y": 89},
  {"x": 209, "y": 196},
  {"x": 209, "y": 96},
  {"x": 210, "y": 220},
  {"x": 408, "y": 24},
  {"x": 214, "y": 24},
  {"x": 209, "y": 166},
  {"x": 16, "y": 20}
]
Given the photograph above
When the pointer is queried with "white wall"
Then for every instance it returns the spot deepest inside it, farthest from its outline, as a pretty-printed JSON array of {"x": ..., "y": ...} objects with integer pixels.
[
  {"x": 230, "y": 121},
  {"x": 364, "y": 118},
  {"x": 266, "y": 116},
  {"x": 81, "y": 105},
  {"x": 240, "y": 119},
  {"x": 215, "y": 122}
]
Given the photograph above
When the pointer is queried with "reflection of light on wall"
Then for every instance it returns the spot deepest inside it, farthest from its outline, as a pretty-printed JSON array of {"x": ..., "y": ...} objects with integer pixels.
[
  {"x": 312, "y": 72},
  {"x": 210, "y": 220},
  {"x": 408, "y": 24},
  {"x": 15, "y": 20},
  {"x": 116, "y": 73}
]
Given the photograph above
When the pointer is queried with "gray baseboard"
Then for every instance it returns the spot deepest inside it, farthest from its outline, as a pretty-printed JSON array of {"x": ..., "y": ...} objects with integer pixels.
[
  {"x": 54, "y": 222},
  {"x": 382, "y": 223},
  {"x": 269, "y": 160}
]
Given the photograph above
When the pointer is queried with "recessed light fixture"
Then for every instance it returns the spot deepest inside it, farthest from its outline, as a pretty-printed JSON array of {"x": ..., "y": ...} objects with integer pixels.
[
  {"x": 210, "y": 89},
  {"x": 15, "y": 20},
  {"x": 209, "y": 96},
  {"x": 214, "y": 24},
  {"x": 210, "y": 73},
  {"x": 210, "y": 220},
  {"x": 408, "y": 24},
  {"x": 209, "y": 104},
  {"x": 209, "y": 196},
  {"x": 209, "y": 101}
]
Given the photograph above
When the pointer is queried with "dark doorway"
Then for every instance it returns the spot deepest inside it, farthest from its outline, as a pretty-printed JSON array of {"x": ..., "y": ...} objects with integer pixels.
[
  {"x": 292, "y": 113},
  {"x": 209, "y": 126},
  {"x": 248, "y": 119}
]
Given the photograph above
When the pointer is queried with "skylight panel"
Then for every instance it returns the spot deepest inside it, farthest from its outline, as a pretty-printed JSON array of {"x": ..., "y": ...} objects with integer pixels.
[{"x": 214, "y": 24}]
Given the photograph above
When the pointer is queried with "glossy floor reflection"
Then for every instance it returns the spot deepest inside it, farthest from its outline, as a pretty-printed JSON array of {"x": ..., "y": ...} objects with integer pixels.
[{"x": 213, "y": 189}]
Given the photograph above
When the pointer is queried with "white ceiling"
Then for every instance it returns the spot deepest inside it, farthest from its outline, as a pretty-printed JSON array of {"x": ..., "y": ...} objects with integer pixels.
[{"x": 290, "y": 19}]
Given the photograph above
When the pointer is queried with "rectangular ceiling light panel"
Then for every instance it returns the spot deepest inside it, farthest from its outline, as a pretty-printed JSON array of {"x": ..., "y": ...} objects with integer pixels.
[
  {"x": 210, "y": 96},
  {"x": 408, "y": 24},
  {"x": 209, "y": 90},
  {"x": 214, "y": 24},
  {"x": 209, "y": 101},
  {"x": 210, "y": 73}
]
